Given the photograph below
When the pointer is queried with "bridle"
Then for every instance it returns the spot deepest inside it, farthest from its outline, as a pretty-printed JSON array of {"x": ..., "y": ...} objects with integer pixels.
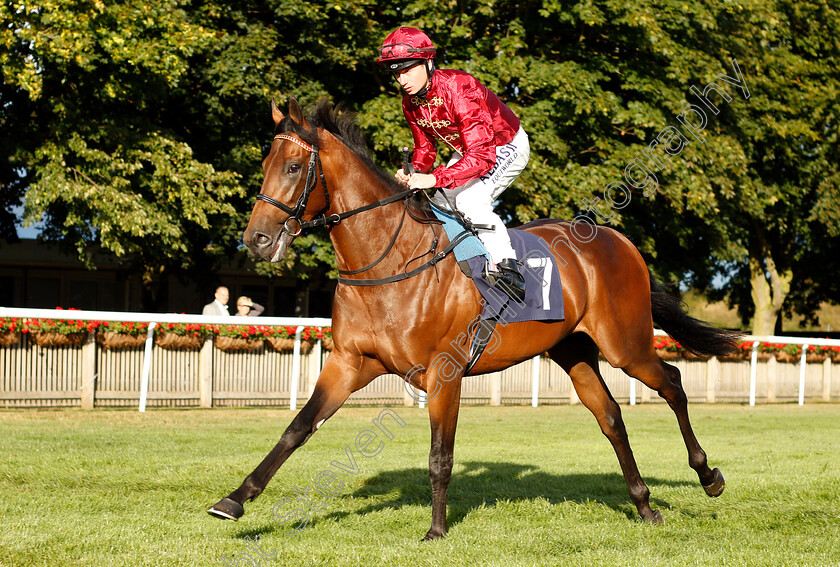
[
  {"x": 315, "y": 171},
  {"x": 317, "y": 168}
]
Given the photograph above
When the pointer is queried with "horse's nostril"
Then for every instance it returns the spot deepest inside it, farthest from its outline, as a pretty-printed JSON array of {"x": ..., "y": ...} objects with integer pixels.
[{"x": 262, "y": 239}]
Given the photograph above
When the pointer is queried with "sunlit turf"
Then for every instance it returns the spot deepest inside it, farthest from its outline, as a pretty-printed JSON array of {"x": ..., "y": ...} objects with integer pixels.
[{"x": 530, "y": 487}]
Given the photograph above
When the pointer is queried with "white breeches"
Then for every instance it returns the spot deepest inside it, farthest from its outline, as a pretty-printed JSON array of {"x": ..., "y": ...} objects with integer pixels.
[{"x": 475, "y": 198}]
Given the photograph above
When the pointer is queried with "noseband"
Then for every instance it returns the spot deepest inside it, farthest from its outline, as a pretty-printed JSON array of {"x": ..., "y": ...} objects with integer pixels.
[{"x": 316, "y": 168}]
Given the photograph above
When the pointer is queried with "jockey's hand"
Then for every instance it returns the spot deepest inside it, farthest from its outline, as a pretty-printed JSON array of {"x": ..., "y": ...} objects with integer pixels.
[
  {"x": 421, "y": 181},
  {"x": 401, "y": 176}
]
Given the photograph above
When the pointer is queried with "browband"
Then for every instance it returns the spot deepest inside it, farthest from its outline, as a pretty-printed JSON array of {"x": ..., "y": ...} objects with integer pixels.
[{"x": 300, "y": 143}]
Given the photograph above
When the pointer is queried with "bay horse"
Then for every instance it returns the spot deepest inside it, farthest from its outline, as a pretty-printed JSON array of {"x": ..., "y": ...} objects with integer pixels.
[{"x": 319, "y": 173}]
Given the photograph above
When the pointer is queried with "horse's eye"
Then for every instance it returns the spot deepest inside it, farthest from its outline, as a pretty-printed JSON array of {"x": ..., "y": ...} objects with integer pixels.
[{"x": 294, "y": 168}]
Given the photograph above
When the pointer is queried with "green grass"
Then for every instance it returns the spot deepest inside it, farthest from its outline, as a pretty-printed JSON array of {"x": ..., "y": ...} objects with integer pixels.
[{"x": 531, "y": 487}]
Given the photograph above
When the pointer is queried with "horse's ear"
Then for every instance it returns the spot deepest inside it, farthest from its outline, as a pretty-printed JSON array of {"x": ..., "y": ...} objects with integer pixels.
[
  {"x": 296, "y": 114},
  {"x": 275, "y": 113}
]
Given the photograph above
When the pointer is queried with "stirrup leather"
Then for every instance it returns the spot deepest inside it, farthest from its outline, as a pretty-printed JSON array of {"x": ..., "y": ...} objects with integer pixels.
[{"x": 509, "y": 280}]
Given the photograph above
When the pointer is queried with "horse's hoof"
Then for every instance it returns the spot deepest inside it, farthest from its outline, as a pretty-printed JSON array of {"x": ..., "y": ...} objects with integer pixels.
[
  {"x": 431, "y": 535},
  {"x": 655, "y": 518},
  {"x": 227, "y": 509},
  {"x": 715, "y": 488}
]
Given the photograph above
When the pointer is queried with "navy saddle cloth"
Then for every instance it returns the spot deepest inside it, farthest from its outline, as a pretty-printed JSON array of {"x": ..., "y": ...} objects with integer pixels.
[{"x": 543, "y": 289}]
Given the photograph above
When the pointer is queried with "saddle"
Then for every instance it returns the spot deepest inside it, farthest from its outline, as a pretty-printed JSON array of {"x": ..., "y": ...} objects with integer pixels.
[{"x": 543, "y": 288}]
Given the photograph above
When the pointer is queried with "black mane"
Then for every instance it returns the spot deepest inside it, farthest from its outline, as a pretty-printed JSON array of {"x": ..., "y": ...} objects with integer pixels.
[{"x": 342, "y": 124}]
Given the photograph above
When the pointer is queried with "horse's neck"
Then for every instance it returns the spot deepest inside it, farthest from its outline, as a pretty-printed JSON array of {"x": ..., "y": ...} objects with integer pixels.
[{"x": 362, "y": 238}]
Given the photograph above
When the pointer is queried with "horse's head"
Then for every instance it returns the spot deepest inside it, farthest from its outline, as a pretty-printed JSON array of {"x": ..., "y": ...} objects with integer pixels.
[{"x": 287, "y": 198}]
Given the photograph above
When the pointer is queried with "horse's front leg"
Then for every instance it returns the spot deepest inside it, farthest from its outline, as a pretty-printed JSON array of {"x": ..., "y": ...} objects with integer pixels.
[
  {"x": 443, "y": 416},
  {"x": 341, "y": 376}
]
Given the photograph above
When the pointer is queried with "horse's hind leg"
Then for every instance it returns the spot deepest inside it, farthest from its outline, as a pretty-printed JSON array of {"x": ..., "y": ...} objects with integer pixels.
[
  {"x": 578, "y": 356},
  {"x": 665, "y": 379}
]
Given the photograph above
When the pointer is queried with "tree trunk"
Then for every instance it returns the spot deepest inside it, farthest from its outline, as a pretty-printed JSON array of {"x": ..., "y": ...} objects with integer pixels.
[
  {"x": 301, "y": 298},
  {"x": 155, "y": 291},
  {"x": 768, "y": 285}
]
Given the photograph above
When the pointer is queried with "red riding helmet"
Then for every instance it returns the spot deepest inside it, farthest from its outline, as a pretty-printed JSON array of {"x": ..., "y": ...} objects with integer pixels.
[{"x": 405, "y": 47}]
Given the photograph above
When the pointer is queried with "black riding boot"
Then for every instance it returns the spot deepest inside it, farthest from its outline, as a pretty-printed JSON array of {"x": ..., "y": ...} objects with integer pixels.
[{"x": 510, "y": 280}]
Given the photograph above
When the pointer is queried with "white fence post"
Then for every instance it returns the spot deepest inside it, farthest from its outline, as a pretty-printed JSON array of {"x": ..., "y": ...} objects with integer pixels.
[
  {"x": 712, "y": 376},
  {"x": 293, "y": 387},
  {"x": 88, "y": 372},
  {"x": 826, "y": 385},
  {"x": 802, "y": 366},
  {"x": 147, "y": 366},
  {"x": 753, "y": 371},
  {"x": 205, "y": 374},
  {"x": 496, "y": 389},
  {"x": 535, "y": 381}
]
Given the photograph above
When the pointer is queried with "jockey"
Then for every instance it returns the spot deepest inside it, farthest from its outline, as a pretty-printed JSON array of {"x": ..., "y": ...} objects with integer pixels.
[{"x": 490, "y": 149}]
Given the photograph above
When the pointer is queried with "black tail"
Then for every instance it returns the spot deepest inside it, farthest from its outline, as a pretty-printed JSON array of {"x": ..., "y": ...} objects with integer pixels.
[{"x": 697, "y": 336}]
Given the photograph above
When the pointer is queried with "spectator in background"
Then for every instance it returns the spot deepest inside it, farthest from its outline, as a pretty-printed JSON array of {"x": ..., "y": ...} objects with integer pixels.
[
  {"x": 247, "y": 308},
  {"x": 219, "y": 305}
]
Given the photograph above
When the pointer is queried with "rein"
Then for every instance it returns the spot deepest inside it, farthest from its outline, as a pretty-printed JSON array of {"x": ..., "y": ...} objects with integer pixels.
[
  {"x": 405, "y": 275},
  {"x": 315, "y": 171}
]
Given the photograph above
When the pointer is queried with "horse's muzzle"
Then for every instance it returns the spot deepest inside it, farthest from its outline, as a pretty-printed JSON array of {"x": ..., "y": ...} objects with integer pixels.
[{"x": 265, "y": 246}]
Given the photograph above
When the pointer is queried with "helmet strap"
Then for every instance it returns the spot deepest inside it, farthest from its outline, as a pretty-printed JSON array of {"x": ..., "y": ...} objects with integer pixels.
[{"x": 430, "y": 71}]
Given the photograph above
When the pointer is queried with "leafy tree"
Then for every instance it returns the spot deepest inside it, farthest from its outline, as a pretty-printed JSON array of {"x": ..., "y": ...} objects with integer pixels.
[
  {"x": 106, "y": 166},
  {"x": 140, "y": 127},
  {"x": 778, "y": 212}
]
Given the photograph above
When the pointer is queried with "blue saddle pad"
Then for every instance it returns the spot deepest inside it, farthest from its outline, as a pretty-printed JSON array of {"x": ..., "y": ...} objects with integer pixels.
[
  {"x": 468, "y": 248},
  {"x": 543, "y": 289}
]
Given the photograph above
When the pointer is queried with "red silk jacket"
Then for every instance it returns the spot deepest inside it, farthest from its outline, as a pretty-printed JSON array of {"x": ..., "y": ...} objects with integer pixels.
[{"x": 467, "y": 116}]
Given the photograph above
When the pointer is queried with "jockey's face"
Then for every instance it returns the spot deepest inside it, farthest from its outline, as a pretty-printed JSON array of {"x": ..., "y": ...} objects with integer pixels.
[{"x": 414, "y": 79}]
